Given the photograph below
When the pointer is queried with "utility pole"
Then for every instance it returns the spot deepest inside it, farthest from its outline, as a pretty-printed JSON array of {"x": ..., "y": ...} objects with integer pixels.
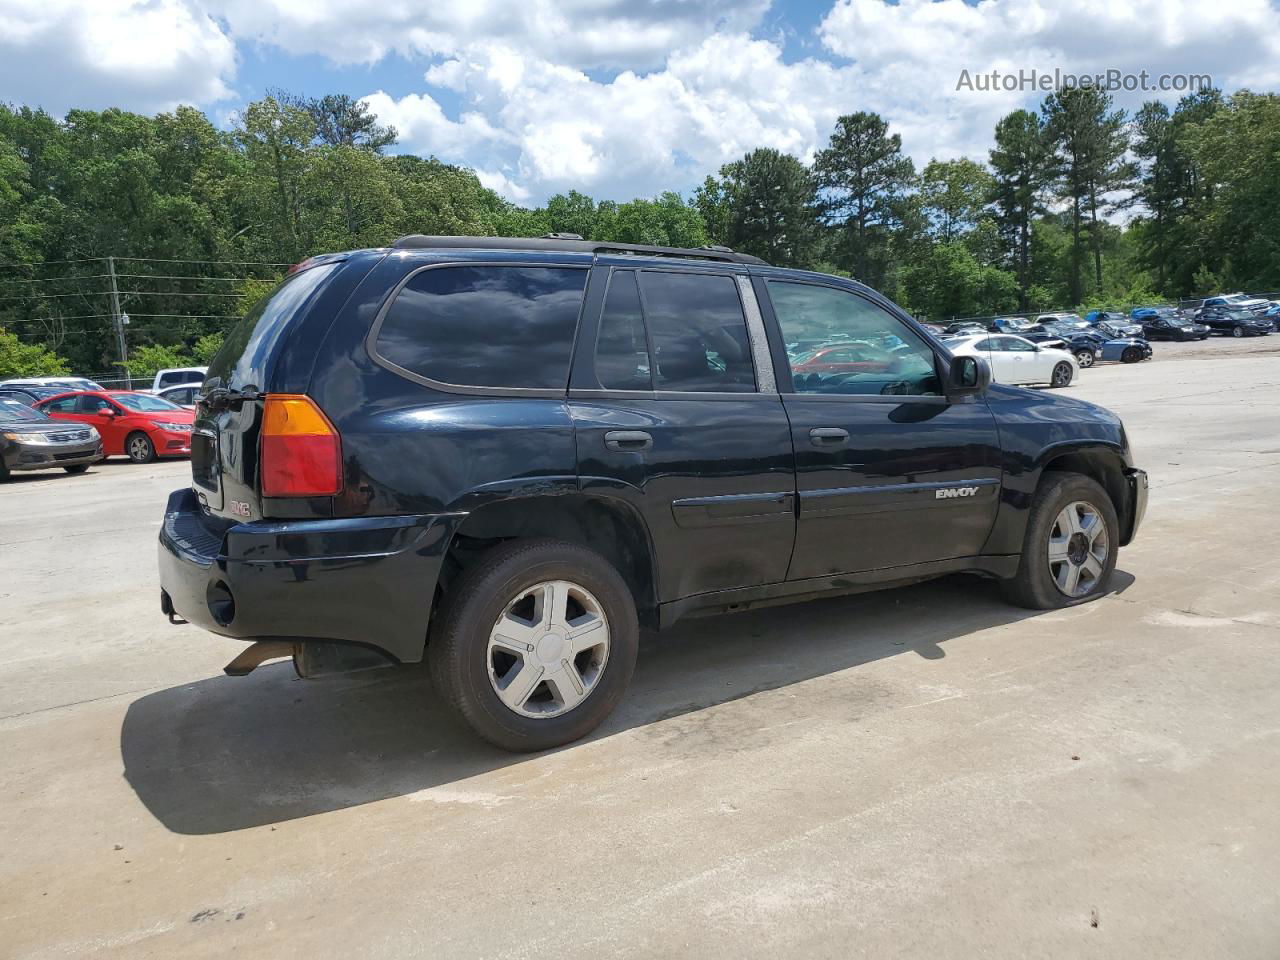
[{"x": 117, "y": 319}]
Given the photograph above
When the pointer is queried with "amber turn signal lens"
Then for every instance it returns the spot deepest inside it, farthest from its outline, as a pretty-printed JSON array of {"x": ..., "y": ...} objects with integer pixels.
[{"x": 301, "y": 450}]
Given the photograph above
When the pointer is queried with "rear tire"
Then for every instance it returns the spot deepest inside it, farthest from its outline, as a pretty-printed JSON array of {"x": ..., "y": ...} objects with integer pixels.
[
  {"x": 1237, "y": 331},
  {"x": 1085, "y": 358},
  {"x": 139, "y": 447},
  {"x": 78, "y": 468},
  {"x": 483, "y": 606},
  {"x": 1062, "y": 374},
  {"x": 1091, "y": 551},
  {"x": 1131, "y": 355}
]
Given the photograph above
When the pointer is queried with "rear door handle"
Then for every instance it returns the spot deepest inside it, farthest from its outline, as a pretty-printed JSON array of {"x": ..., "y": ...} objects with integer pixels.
[
  {"x": 628, "y": 440},
  {"x": 828, "y": 436}
]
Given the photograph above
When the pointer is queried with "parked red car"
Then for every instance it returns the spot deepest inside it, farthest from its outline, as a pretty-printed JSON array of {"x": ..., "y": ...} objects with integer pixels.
[
  {"x": 843, "y": 358},
  {"x": 140, "y": 426}
]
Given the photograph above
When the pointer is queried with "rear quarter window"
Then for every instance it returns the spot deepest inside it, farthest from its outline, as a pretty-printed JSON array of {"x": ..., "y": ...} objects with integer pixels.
[{"x": 485, "y": 326}]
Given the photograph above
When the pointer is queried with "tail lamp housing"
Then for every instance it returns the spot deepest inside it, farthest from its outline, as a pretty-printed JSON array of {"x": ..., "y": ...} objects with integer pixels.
[{"x": 301, "y": 451}]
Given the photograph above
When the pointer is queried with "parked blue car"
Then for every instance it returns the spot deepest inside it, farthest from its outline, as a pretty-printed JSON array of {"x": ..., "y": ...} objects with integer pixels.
[
  {"x": 1120, "y": 324},
  {"x": 1105, "y": 346}
]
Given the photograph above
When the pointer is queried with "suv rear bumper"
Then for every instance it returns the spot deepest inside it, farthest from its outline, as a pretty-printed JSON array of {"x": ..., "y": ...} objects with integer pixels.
[{"x": 365, "y": 580}]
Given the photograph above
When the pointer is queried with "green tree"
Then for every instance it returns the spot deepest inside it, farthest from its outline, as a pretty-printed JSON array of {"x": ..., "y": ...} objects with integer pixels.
[
  {"x": 1236, "y": 150},
  {"x": 863, "y": 176},
  {"x": 207, "y": 347},
  {"x": 949, "y": 282},
  {"x": 18, "y": 359},
  {"x": 954, "y": 196},
  {"x": 342, "y": 121},
  {"x": 1090, "y": 140},
  {"x": 1020, "y": 165},
  {"x": 145, "y": 361},
  {"x": 770, "y": 211},
  {"x": 574, "y": 213},
  {"x": 274, "y": 139}
]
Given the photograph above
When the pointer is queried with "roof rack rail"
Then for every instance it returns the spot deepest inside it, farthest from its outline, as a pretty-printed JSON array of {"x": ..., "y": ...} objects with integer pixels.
[{"x": 573, "y": 243}]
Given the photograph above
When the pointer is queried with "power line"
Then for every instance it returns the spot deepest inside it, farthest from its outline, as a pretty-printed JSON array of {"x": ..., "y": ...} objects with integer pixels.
[
  {"x": 252, "y": 263},
  {"x": 19, "y": 263},
  {"x": 84, "y": 276},
  {"x": 168, "y": 293},
  {"x": 77, "y": 316},
  {"x": 53, "y": 296},
  {"x": 153, "y": 276}
]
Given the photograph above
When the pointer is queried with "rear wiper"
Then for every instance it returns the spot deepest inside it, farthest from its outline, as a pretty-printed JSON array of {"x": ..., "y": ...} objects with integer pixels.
[{"x": 220, "y": 398}]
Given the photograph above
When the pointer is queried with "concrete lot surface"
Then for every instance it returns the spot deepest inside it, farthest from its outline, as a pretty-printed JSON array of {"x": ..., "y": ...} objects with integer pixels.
[{"x": 922, "y": 772}]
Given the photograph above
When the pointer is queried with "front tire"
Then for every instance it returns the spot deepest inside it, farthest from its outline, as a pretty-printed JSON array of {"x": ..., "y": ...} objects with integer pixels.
[
  {"x": 1237, "y": 331},
  {"x": 1069, "y": 548},
  {"x": 535, "y": 645},
  {"x": 1131, "y": 355},
  {"x": 1062, "y": 374},
  {"x": 139, "y": 447},
  {"x": 78, "y": 468},
  {"x": 1085, "y": 358}
]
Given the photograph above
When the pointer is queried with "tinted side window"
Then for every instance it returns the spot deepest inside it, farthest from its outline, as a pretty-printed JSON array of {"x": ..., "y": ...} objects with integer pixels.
[
  {"x": 484, "y": 326},
  {"x": 699, "y": 333},
  {"x": 64, "y": 405},
  {"x": 896, "y": 361},
  {"x": 622, "y": 354}
]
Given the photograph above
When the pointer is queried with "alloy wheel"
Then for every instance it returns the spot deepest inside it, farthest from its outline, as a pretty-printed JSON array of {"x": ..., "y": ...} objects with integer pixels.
[
  {"x": 140, "y": 448},
  {"x": 548, "y": 649},
  {"x": 1078, "y": 548},
  {"x": 1062, "y": 375},
  {"x": 1085, "y": 358}
]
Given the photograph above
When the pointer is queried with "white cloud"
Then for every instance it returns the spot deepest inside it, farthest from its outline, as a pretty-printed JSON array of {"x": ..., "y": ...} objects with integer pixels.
[
  {"x": 711, "y": 100},
  {"x": 580, "y": 33},
  {"x": 141, "y": 54},
  {"x": 512, "y": 89},
  {"x": 909, "y": 55},
  {"x": 554, "y": 128}
]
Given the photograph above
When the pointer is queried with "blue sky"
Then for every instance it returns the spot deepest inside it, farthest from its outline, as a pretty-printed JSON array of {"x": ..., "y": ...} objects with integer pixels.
[{"x": 619, "y": 98}]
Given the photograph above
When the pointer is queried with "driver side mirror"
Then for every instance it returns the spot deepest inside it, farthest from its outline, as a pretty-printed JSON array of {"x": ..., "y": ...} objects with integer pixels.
[
  {"x": 106, "y": 412},
  {"x": 969, "y": 376}
]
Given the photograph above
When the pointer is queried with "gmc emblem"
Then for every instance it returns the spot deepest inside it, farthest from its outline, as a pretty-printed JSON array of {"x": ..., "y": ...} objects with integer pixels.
[
  {"x": 947, "y": 493},
  {"x": 242, "y": 509}
]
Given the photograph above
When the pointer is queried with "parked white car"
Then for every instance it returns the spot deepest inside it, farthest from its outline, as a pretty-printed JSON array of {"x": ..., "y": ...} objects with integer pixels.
[
  {"x": 177, "y": 376},
  {"x": 67, "y": 383},
  {"x": 183, "y": 396},
  {"x": 1017, "y": 361}
]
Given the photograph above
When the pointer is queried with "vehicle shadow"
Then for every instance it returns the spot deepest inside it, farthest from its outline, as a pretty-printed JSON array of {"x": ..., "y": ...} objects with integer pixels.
[{"x": 227, "y": 754}]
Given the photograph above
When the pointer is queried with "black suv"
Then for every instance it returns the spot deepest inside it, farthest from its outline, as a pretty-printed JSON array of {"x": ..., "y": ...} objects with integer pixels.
[{"x": 508, "y": 455}]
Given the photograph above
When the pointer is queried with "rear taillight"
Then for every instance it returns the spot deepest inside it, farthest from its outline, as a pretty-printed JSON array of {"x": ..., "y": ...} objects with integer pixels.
[{"x": 301, "y": 451}]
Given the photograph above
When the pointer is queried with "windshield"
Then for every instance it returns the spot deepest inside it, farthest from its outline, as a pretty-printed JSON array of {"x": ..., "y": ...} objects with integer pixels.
[
  {"x": 13, "y": 410},
  {"x": 145, "y": 402}
]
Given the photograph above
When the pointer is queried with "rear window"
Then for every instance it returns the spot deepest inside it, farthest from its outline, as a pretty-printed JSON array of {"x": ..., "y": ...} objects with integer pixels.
[
  {"x": 252, "y": 340},
  {"x": 180, "y": 376},
  {"x": 485, "y": 326},
  {"x": 699, "y": 333}
]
